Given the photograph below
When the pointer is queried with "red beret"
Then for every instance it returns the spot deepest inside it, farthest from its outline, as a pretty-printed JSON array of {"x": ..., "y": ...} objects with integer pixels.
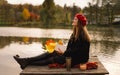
[{"x": 82, "y": 18}]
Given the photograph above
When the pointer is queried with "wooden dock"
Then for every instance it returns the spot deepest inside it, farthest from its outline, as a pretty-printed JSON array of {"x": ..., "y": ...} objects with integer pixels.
[{"x": 45, "y": 70}]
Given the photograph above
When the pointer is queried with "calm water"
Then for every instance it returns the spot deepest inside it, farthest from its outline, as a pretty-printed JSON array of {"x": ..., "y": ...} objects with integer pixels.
[{"x": 105, "y": 45}]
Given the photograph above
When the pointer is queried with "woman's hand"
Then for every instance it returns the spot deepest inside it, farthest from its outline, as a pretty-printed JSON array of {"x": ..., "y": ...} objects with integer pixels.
[{"x": 59, "y": 51}]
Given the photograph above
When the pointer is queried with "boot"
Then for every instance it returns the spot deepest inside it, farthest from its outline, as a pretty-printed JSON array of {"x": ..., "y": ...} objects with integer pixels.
[
  {"x": 21, "y": 61},
  {"x": 25, "y": 61}
]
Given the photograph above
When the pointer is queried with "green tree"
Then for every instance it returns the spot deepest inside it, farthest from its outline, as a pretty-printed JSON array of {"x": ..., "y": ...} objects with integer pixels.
[
  {"x": 117, "y": 7},
  {"x": 90, "y": 10},
  {"x": 6, "y": 15},
  {"x": 68, "y": 18},
  {"x": 97, "y": 5},
  {"x": 3, "y": 5},
  {"x": 59, "y": 17},
  {"x": 47, "y": 14},
  {"x": 74, "y": 10},
  {"x": 30, "y": 7},
  {"x": 19, "y": 8},
  {"x": 12, "y": 16}
]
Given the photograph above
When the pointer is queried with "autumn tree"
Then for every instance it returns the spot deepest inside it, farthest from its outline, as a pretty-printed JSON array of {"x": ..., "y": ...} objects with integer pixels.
[{"x": 26, "y": 14}]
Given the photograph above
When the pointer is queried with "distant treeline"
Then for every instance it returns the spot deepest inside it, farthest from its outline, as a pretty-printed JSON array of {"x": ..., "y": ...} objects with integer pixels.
[{"x": 49, "y": 14}]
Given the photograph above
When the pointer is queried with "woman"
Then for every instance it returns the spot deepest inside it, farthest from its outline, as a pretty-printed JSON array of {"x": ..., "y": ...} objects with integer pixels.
[{"x": 77, "y": 48}]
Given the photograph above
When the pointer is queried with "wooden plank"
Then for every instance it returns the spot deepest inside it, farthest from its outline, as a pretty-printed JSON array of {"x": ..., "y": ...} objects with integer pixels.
[{"x": 45, "y": 70}]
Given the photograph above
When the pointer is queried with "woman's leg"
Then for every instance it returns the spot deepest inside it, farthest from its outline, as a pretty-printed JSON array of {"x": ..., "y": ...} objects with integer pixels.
[
  {"x": 39, "y": 57},
  {"x": 42, "y": 56},
  {"x": 23, "y": 62},
  {"x": 42, "y": 62}
]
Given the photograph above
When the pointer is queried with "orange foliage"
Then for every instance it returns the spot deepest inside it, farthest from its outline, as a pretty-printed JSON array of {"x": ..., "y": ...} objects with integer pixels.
[{"x": 34, "y": 16}]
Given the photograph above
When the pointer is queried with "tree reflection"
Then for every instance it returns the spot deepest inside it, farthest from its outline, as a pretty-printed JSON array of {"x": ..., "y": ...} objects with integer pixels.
[
  {"x": 109, "y": 47},
  {"x": 108, "y": 34},
  {"x": 104, "y": 47},
  {"x": 4, "y": 41}
]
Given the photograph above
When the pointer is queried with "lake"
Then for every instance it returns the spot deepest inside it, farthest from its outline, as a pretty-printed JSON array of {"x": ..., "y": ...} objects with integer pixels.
[{"x": 28, "y": 42}]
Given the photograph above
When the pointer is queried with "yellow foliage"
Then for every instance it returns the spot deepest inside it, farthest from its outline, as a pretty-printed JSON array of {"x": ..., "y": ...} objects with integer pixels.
[
  {"x": 50, "y": 48},
  {"x": 60, "y": 42},
  {"x": 25, "y": 39},
  {"x": 50, "y": 45},
  {"x": 26, "y": 14}
]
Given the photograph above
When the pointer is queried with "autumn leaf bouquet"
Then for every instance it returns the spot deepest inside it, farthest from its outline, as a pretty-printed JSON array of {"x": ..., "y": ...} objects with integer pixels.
[{"x": 51, "y": 44}]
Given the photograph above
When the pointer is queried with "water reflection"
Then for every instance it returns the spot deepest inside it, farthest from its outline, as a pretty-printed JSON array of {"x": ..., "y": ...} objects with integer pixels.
[
  {"x": 107, "y": 34},
  {"x": 109, "y": 47},
  {"x": 105, "y": 47},
  {"x": 6, "y": 41}
]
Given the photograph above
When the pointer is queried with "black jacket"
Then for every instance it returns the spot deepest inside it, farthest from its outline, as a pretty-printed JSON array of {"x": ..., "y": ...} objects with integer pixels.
[{"x": 78, "y": 50}]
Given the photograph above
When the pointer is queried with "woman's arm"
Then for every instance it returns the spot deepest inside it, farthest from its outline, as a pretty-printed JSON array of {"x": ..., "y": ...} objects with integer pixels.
[{"x": 75, "y": 49}]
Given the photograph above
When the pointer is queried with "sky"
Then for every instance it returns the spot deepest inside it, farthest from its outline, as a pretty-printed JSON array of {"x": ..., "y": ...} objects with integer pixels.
[{"x": 80, "y": 3}]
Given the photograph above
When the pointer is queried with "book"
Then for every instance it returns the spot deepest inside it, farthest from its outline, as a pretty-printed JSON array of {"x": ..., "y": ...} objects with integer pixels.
[{"x": 60, "y": 47}]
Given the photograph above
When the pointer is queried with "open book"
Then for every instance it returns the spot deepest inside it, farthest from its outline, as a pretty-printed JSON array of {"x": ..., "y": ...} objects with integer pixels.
[{"x": 60, "y": 47}]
